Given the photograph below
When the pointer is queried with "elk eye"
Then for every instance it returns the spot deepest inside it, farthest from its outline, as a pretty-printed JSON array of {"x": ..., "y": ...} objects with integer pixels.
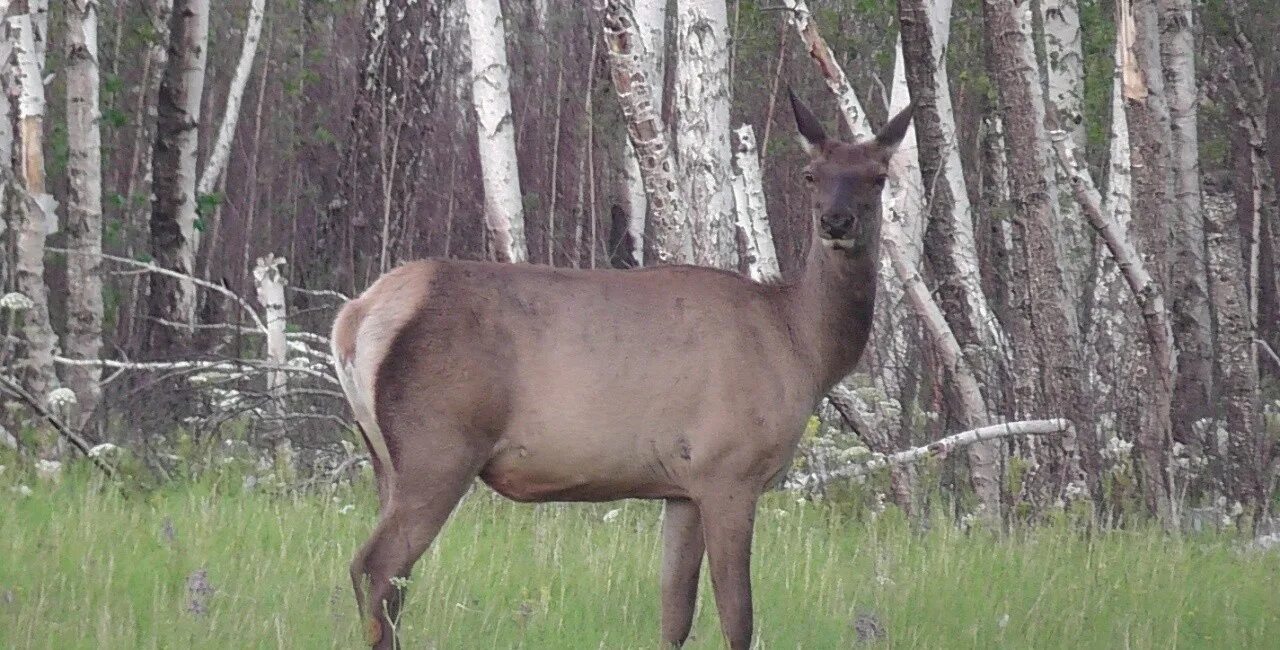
[{"x": 808, "y": 177}]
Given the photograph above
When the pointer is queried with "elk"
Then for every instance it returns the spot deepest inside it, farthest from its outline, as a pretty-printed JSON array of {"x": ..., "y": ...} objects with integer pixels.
[{"x": 686, "y": 384}]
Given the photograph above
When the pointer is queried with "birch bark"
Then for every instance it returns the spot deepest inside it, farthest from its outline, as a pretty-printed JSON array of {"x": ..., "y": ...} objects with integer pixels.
[
  {"x": 1147, "y": 114},
  {"x": 1051, "y": 324},
  {"x": 1247, "y": 451},
  {"x": 174, "y": 234},
  {"x": 651, "y": 28},
  {"x": 949, "y": 240},
  {"x": 1192, "y": 325},
  {"x": 702, "y": 126},
  {"x": 84, "y": 203},
  {"x": 32, "y": 206},
  {"x": 666, "y": 234},
  {"x": 491, "y": 97},
  {"x": 759, "y": 253},
  {"x": 221, "y": 152},
  {"x": 1064, "y": 76}
]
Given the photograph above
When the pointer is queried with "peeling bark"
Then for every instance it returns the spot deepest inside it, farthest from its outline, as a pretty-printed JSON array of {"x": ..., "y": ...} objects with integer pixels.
[
  {"x": 666, "y": 233},
  {"x": 702, "y": 127},
  {"x": 221, "y": 152},
  {"x": 759, "y": 253}
]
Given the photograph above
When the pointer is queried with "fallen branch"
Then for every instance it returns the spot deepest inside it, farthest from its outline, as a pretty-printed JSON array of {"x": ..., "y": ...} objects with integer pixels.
[
  {"x": 12, "y": 388},
  {"x": 224, "y": 366},
  {"x": 956, "y": 441}
]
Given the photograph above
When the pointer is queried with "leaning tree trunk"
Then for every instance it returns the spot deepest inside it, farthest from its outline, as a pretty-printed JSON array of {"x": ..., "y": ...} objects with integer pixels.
[
  {"x": 84, "y": 203},
  {"x": 949, "y": 239},
  {"x": 33, "y": 207},
  {"x": 1047, "y": 316},
  {"x": 701, "y": 119},
  {"x": 174, "y": 234},
  {"x": 491, "y": 96},
  {"x": 1147, "y": 115},
  {"x": 1187, "y": 269}
]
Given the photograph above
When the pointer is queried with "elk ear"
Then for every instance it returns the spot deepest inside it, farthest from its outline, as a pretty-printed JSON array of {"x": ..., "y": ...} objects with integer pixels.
[
  {"x": 891, "y": 135},
  {"x": 812, "y": 137}
]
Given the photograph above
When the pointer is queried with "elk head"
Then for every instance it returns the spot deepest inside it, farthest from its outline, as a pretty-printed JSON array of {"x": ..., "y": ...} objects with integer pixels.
[{"x": 847, "y": 179}]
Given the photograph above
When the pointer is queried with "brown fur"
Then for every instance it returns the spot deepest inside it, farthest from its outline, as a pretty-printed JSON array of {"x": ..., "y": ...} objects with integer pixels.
[{"x": 679, "y": 383}]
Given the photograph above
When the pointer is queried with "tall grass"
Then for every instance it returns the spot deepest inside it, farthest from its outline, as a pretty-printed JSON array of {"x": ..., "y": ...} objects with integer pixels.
[{"x": 87, "y": 567}]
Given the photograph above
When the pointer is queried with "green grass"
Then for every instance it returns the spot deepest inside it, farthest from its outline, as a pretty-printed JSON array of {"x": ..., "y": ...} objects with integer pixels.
[{"x": 90, "y": 568}]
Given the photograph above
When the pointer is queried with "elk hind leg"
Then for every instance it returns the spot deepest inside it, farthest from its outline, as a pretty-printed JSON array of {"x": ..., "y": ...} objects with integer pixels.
[
  {"x": 432, "y": 474},
  {"x": 681, "y": 562}
]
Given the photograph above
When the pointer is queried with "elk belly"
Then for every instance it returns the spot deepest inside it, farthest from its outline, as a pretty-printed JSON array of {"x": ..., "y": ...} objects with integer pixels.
[{"x": 531, "y": 473}]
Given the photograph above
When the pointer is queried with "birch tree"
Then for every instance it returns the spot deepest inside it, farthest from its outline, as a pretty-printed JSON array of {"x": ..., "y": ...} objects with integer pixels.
[
  {"x": 1247, "y": 450},
  {"x": 1187, "y": 270},
  {"x": 221, "y": 152},
  {"x": 949, "y": 239},
  {"x": 1050, "y": 350},
  {"x": 1147, "y": 115},
  {"x": 1064, "y": 79},
  {"x": 491, "y": 96},
  {"x": 650, "y": 17},
  {"x": 84, "y": 203},
  {"x": 666, "y": 233},
  {"x": 702, "y": 127},
  {"x": 174, "y": 234},
  {"x": 757, "y": 247},
  {"x": 32, "y": 206}
]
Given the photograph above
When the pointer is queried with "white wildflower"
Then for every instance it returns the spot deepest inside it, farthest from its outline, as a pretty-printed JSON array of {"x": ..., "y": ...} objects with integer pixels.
[
  {"x": 101, "y": 449},
  {"x": 346, "y": 509},
  {"x": 1003, "y": 621},
  {"x": 1075, "y": 490},
  {"x": 23, "y": 490},
  {"x": 16, "y": 302},
  {"x": 612, "y": 514},
  {"x": 399, "y": 582},
  {"x": 781, "y": 513},
  {"x": 49, "y": 470},
  {"x": 61, "y": 398}
]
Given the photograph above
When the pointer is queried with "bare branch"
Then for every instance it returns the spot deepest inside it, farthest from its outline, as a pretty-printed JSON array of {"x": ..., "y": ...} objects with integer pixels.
[{"x": 956, "y": 441}]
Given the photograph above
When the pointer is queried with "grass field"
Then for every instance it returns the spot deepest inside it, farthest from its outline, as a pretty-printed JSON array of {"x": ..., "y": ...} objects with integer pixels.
[{"x": 89, "y": 568}]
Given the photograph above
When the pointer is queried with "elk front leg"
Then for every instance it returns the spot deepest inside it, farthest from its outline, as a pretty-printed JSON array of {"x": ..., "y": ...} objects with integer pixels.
[
  {"x": 728, "y": 519},
  {"x": 682, "y": 550}
]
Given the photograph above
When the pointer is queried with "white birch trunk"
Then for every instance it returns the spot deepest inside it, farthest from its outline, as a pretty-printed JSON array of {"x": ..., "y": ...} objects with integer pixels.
[
  {"x": 84, "y": 204},
  {"x": 491, "y": 97},
  {"x": 1065, "y": 81},
  {"x": 33, "y": 208},
  {"x": 752, "y": 212},
  {"x": 221, "y": 152},
  {"x": 174, "y": 236},
  {"x": 651, "y": 27},
  {"x": 270, "y": 283},
  {"x": 702, "y": 96},
  {"x": 666, "y": 229}
]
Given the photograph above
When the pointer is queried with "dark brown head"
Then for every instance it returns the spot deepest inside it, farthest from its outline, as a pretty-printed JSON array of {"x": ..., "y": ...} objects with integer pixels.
[{"x": 847, "y": 179}]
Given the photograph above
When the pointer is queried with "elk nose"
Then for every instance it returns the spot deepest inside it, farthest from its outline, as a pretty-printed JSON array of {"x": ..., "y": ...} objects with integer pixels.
[{"x": 837, "y": 224}]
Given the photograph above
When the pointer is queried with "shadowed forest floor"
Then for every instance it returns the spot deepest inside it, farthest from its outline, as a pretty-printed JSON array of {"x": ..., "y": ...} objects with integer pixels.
[{"x": 207, "y": 565}]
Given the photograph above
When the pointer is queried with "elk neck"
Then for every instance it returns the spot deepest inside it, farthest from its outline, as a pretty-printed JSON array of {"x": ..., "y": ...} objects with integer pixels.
[{"x": 832, "y": 302}]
